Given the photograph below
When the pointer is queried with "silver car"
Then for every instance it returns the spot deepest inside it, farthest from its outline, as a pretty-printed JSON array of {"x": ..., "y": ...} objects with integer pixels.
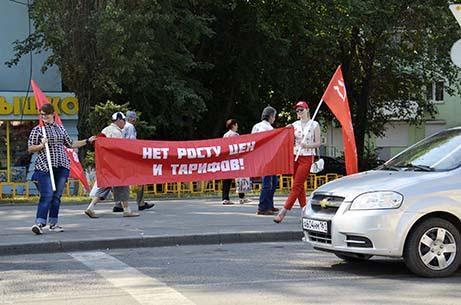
[{"x": 409, "y": 207}]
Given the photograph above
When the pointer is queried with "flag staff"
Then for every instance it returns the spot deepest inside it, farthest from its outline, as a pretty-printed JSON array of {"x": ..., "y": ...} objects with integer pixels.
[
  {"x": 39, "y": 105},
  {"x": 48, "y": 156}
]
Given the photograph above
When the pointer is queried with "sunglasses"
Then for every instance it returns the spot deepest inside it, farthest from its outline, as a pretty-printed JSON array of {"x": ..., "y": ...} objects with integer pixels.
[{"x": 300, "y": 110}]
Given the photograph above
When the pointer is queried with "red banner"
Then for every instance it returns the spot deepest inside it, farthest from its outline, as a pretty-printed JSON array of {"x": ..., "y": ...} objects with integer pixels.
[
  {"x": 76, "y": 170},
  {"x": 133, "y": 162},
  {"x": 336, "y": 98}
]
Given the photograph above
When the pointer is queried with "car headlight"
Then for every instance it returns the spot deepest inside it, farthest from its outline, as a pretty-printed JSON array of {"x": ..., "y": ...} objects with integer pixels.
[{"x": 377, "y": 200}]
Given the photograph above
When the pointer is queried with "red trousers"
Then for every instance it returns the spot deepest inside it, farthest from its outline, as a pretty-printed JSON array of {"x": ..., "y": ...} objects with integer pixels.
[{"x": 302, "y": 170}]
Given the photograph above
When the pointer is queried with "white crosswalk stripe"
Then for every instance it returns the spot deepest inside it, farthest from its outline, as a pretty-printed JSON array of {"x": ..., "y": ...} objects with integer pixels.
[{"x": 144, "y": 289}]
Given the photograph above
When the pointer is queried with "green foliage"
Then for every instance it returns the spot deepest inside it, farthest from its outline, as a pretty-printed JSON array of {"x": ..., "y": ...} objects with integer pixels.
[
  {"x": 389, "y": 51},
  {"x": 124, "y": 50},
  {"x": 101, "y": 114},
  {"x": 370, "y": 156},
  {"x": 190, "y": 65},
  {"x": 100, "y": 117}
]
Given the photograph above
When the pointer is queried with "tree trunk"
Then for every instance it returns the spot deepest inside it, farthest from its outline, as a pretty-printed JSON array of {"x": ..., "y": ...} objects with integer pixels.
[
  {"x": 361, "y": 123},
  {"x": 224, "y": 113}
]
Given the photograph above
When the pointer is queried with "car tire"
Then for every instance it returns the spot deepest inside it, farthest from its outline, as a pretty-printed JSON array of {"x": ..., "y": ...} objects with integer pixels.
[
  {"x": 433, "y": 248},
  {"x": 354, "y": 258}
]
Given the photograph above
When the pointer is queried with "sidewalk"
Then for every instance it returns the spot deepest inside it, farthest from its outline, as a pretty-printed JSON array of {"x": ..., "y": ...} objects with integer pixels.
[{"x": 168, "y": 223}]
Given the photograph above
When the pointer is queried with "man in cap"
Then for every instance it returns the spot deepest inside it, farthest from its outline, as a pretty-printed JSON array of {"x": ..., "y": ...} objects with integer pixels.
[
  {"x": 269, "y": 183},
  {"x": 129, "y": 132},
  {"x": 121, "y": 193}
]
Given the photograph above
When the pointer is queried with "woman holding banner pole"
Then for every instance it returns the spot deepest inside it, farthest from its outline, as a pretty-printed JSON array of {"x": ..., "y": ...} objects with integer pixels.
[
  {"x": 307, "y": 141},
  {"x": 56, "y": 138}
]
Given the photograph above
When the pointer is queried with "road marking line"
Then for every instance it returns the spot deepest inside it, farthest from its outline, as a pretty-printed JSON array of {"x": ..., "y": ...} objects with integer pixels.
[
  {"x": 144, "y": 289},
  {"x": 314, "y": 280}
]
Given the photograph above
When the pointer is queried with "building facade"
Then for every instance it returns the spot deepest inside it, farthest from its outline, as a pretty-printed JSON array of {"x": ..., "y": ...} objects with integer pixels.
[
  {"x": 18, "y": 113},
  {"x": 399, "y": 134}
]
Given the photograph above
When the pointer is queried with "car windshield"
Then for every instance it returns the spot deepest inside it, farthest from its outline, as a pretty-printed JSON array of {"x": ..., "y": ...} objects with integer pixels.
[{"x": 439, "y": 152}]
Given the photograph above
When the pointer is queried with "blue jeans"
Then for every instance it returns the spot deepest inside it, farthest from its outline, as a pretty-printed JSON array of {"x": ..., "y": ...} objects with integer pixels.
[
  {"x": 48, "y": 205},
  {"x": 266, "y": 199}
]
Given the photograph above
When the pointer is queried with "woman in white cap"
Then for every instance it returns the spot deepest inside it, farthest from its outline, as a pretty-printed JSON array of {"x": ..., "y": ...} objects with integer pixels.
[{"x": 309, "y": 131}]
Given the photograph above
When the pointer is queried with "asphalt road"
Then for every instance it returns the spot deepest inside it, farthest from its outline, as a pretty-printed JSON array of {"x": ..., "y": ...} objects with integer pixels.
[{"x": 256, "y": 274}]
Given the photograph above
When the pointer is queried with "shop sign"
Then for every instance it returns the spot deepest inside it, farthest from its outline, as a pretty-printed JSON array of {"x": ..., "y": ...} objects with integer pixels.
[{"x": 15, "y": 106}]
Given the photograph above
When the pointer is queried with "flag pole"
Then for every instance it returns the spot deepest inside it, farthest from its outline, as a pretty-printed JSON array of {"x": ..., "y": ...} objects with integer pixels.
[
  {"x": 308, "y": 126},
  {"x": 48, "y": 159}
]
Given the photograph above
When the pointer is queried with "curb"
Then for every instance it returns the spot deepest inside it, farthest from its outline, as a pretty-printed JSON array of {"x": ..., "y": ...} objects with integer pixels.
[{"x": 148, "y": 241}]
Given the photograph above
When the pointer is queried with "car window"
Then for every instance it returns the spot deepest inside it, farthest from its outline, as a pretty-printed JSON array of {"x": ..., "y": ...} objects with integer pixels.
[{"x": 439, "y": 152}]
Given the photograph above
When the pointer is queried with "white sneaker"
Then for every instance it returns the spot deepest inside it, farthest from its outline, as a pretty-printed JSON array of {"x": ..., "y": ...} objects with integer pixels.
[
  {"x": 56, "y": 228},
  {"x": 37, "y": 229},
  {"x": 130, "y": 214}
]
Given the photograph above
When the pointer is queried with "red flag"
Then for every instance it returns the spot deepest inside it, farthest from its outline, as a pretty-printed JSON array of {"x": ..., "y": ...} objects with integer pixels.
[
  {"x": 336, "y": 98},
  {"x": 76, "y": 170}
]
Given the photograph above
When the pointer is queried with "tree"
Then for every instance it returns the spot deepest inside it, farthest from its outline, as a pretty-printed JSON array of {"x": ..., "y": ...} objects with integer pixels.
[
  {"x": 257, "y": 58},
  {"x": 133, "y": 51},
  {"x": 101, "y": 114},
  {"x": 390, "y": 50},
  {"x": 189, "y": 65},
  {"x": 70, "y": 29},
  {"x": 162, "y": 84},
  {"x": 275, "y": 52}
]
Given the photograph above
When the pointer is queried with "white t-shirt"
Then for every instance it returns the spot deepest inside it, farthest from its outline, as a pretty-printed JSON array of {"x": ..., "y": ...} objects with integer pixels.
[
  {"x": 300, "y": 129},
  {"x": 112, "y": 131},
  {"x": 230, "y": 133},
  {"x": 262, "y": 126}
]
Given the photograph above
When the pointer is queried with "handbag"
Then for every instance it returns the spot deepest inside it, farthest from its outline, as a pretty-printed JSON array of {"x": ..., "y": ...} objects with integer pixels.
[
  {"x": 318, "y": 165},
  {"x": 243, "y": 185}
]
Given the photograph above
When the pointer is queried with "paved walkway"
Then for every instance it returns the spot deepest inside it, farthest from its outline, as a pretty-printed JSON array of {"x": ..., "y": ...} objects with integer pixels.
[{"x": 170, "y": 222}]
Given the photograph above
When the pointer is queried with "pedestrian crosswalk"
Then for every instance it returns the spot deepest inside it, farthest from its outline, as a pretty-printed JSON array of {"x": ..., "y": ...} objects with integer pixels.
[{"x": 146, "y": 290}]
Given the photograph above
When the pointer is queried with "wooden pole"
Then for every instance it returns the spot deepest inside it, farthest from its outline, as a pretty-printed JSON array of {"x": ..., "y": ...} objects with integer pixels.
[{"x": 48, "y": 159}]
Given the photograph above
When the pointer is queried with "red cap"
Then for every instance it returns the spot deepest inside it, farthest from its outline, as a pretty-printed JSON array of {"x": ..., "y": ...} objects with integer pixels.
[{"x": 301, "y": 104}]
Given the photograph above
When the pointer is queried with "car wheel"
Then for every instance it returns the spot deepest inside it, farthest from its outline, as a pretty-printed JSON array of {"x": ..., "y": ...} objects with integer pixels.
[
  {"x": 433, "y": 248},
  {"x": 354, "y": 258}
]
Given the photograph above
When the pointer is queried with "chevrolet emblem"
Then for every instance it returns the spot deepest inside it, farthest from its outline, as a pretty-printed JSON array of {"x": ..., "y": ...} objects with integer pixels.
[{"x": 324, "y": 203}]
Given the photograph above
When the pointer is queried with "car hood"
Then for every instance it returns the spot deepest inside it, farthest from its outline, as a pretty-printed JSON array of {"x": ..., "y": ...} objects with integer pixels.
[{"x": 376, "y": 180}]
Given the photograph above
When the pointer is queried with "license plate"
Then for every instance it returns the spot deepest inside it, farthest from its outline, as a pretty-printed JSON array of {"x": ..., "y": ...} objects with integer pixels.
[{"x": 315, "y": 225}]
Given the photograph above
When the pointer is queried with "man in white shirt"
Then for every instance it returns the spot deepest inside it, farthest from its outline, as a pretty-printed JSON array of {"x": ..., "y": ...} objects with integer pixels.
[
  {"x": 129, "y": 132},
  {"x": 121, "y": 193},
  {"x": 269, "y": 183}
]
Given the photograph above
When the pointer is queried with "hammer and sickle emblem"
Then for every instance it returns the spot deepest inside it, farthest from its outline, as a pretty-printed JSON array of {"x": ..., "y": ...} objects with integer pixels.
[{"x": 341, "y": 89}]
